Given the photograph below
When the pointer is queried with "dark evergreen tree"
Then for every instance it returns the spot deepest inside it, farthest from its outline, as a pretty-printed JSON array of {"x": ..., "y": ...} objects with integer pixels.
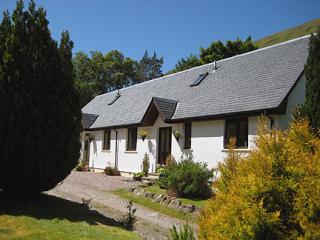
[
  {"x": 311, "y": 106},
  {"x": 40, "y": 117},
  {"x": 148, "y": 67}
]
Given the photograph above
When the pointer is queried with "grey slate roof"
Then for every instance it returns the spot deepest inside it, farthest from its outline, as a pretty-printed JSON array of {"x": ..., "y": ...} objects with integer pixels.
[
  {"x": 88, "y": 120},
  {"x": 167, "y": 107},
  {"x": 255, "y": 81}
]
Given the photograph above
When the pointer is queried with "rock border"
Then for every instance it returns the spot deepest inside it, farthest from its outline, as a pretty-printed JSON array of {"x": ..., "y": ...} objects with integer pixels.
[{"x": 166, "y": 200}]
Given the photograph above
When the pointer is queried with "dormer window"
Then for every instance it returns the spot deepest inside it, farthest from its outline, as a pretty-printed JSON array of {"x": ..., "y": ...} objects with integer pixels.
[{"x": 199, "y": 79}]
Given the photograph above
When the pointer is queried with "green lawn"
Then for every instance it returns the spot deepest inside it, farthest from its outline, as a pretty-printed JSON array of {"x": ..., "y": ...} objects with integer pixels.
[
  {"x": 145, "y": 202},
  {"x": 195, "y": 201},
  {"x": 159, "y": 207},
  {"x": 52, "y": 218}
]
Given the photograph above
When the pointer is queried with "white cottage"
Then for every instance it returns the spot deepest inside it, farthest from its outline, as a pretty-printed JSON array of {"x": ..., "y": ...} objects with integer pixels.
[{"x": 207, "y": 104}]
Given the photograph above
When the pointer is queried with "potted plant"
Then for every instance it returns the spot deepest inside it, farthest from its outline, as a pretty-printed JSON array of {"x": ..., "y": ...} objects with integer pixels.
[
  {"x": 138, "y": 176},
  {"x": 177, "y": 134},
  {"x": 143, "y": 134}
]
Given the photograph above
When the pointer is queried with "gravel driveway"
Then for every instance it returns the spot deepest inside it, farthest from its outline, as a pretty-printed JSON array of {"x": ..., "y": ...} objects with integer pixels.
[{"x": 95, "y": 186}]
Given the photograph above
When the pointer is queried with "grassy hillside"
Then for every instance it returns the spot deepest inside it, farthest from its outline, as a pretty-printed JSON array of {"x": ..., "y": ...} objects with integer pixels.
[{"x": 289, "y": 34}]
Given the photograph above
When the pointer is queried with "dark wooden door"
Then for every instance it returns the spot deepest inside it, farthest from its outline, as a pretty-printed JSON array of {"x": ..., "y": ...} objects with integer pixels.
[{"x": 164, "y": 144}]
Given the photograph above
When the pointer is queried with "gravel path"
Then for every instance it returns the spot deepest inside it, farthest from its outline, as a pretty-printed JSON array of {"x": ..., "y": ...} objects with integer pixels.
[{"x": 95, "y": 186}]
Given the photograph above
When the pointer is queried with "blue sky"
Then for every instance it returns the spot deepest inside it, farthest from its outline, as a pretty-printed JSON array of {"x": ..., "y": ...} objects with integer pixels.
[{"x": 171, "y": 28}]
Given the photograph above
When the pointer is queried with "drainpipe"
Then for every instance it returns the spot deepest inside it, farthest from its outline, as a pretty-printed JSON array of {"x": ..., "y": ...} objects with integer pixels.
[
  {"x": 271, "y": 119},
  {"x": 116, "y": 150}
]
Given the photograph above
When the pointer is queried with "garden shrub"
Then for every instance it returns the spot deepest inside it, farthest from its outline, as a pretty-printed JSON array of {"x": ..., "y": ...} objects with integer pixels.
[
  {"x": 185, "y": 232},
  {"x": 112, "y": 171},
  {"x": 80, "y": 166},
  {"x": 145, "y": 164},
  {"x": 187, "y": 178},
  {"x": 272, "y": 193}
]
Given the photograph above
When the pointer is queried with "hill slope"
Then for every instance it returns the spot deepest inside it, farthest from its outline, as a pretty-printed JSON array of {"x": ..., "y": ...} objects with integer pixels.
[{"x": 291, "y": 33}]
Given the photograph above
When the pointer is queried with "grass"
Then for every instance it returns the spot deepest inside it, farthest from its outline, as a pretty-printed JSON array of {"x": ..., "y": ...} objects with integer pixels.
[
  {"x": 291, "y": 33},
  {"x": 52, "y": 218},
  {"x": 159, "y": 207},
  {"x": 145, "y": 202},
  {"x": 194, "y": 201}
]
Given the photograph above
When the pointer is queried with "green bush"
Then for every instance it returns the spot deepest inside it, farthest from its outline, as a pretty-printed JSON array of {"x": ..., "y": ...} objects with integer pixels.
[
  {"x": 145, "y": 164},
  {"x": 185, "y": 233},
  {"x": 273, "y": 193},
  {"x": 138, "y": 176},
  {"x": 111, "y": 171},
  {"x": 80, "y": 166},
  {"x": 187, "y": 178},
  {"x": 128, "y": 221}
]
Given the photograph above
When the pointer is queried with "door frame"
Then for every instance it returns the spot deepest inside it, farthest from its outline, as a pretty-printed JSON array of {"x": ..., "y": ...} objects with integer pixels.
[{"x": 159, "y": 142}]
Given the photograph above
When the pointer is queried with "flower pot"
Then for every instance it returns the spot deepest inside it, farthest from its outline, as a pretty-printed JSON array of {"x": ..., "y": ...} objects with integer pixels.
[
  {"x": 177, "y": 138},
  {"x": 143, "y": 138}
]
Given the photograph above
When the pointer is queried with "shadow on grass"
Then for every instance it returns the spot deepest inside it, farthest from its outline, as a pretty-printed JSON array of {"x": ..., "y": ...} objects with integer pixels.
[{"x": 51, "y": 207}]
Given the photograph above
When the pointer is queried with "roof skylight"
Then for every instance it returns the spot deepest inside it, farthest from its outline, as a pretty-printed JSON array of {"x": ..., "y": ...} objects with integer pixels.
[{"x": 199, "y": 79}]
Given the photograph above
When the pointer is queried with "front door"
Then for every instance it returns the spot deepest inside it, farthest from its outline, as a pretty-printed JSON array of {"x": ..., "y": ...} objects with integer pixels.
[{"x": 164, "y": 146}]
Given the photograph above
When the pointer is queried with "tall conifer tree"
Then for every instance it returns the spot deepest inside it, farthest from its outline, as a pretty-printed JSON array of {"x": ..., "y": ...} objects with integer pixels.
[
  {"x": 40, "y": 116},
  {"x": 312, "y": 71}
]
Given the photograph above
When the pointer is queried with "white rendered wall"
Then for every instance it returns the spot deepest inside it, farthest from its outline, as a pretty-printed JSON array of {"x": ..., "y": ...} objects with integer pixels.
[
  {"x": 207, "y": 145},
  {"x": 297, "y": 96}
]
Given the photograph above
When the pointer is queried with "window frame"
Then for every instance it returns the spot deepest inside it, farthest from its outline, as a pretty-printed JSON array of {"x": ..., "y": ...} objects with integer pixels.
[
  {"x": 187, "y": 135},
  {"x": 106, "y": 144},
  {"x": 128, "y": 145},
  {"x": 237, "y": 122}
]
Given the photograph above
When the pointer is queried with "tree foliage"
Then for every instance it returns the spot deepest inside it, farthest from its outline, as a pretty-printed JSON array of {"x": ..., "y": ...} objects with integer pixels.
[
  {"x": 40, "y": 116},
  {"x": 216, "y": 51},
  {"x": 311, "y": 106},
  {"x": 273, "y": 193},
  {"x": 149, "y": 67},
  {"x": 100, "y": 73}
]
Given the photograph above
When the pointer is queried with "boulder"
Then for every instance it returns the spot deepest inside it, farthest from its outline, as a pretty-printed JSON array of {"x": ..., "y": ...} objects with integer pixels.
[
  {"x": 131, "y": 189},
  {"x": 175, "y": 203},
  {"x": 149, "y": 195},
  {"x": 188, "y": 208},
  {"x": 138, "y": 191},
  {"x": 158, "y": 198}
]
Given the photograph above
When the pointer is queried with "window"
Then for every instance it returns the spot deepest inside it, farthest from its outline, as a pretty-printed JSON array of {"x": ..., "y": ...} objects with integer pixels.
[
  {"x": 199, "y": 79},
  {"x": 106, "y": 139},
  {"x": 187, "y": 135},
  {"x": 132, "y": 139},
  {"x": 237, "y": 128}
]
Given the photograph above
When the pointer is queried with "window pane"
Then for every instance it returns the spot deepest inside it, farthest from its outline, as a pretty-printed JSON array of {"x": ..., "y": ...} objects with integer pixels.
[
  {"x": 187, "y": 135},
  {"x": 237, "y": 128},
  {"x": 106, "y": 139},
  {"x": 132, "y": 139}
]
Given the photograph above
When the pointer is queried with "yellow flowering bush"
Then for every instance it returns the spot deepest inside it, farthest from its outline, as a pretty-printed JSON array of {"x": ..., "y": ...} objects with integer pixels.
[{"x": 272, "y": 193}]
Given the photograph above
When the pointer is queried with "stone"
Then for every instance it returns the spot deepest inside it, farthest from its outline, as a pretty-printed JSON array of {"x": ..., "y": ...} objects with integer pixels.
[
  {"x": 167, "y": 200},
  {"x": 175, "y": 203},
  {"x": 149, "y": 195},
  {"x": 138, "y": 191},
  {"x": 158, "y": 198},
  {"x": 188, "y": 208},
  {"x": 131, "y": 189},
  {"x": 146, "y": 182}
]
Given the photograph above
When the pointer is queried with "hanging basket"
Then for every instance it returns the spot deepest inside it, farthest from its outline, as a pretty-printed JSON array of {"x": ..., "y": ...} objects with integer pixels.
[
  {"x": 177, "y": 134},
  {"x": 143, "y": 134}
]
